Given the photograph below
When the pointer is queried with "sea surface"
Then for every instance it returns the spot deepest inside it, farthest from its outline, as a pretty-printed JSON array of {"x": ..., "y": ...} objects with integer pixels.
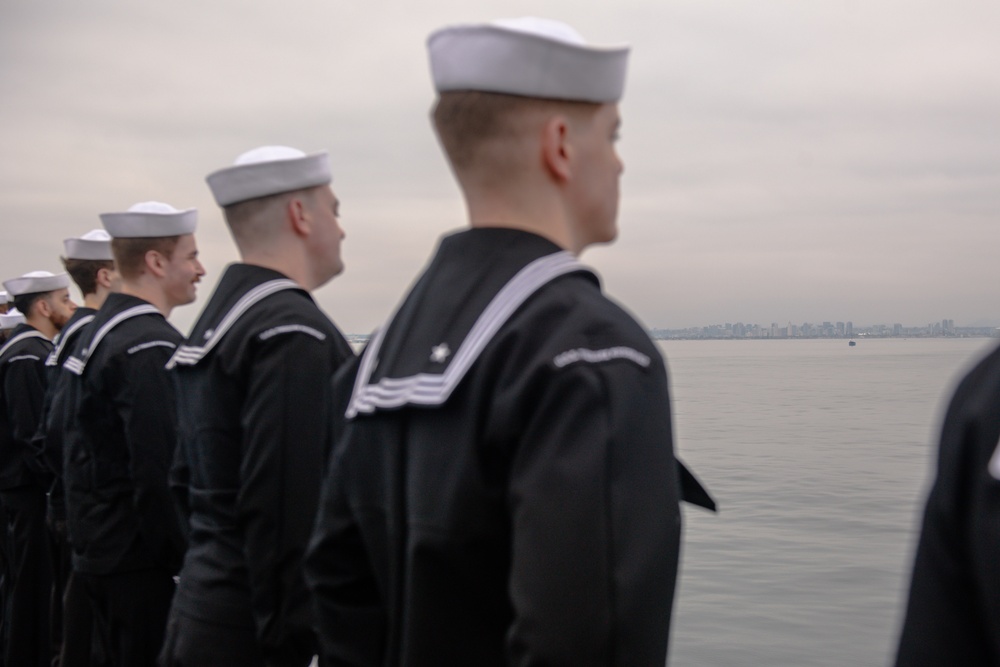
[{"x": 819, "y": 455}]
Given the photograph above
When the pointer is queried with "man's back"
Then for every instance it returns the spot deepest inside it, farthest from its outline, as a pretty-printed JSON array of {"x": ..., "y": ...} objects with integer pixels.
[
  {"x": 506, "y": 491},
  {"x": 252, "y": 434},
  {"x": 119, "y": 439}
]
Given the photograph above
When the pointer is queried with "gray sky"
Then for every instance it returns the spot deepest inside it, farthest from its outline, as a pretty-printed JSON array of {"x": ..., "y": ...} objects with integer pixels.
[{"x": 785, "y": 160}]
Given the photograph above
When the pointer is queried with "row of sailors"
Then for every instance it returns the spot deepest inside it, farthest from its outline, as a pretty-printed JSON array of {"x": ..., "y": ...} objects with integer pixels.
[
  {"x": 94, "y": 409},
  {"x": 492, "y": 482}
]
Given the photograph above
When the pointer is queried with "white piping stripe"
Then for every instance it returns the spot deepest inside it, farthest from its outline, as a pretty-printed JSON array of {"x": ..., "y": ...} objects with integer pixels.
[
  {"x": 189, "y": 355},
  {"x": 74, "y": 365},
  {"x": 598, "y": 356},
  {"x": 24, "y": 335},
  {"x": 153, "y": 343},
  {"x": 63, "y": 338},
  {"x": 21, "y": 357},
  {"x": 292, "y": 328},
  {"x": 431, "y": 389}
]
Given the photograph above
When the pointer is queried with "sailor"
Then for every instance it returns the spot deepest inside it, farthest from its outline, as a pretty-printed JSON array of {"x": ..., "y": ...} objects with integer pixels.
[
  {"x": 44, "y": 300},
  {"x": 89, "y": 262},
  {"x": 120, "y": 432},
  {"x": 4, "y": 302},
  {"x": 953, "y": 613},
  {"x": 505, "y": 491},
  {"x": 254, "y": 401},
  {"x": 8, "y": 320}
]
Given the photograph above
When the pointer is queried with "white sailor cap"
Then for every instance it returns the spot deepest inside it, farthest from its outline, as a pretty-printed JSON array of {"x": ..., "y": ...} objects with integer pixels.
[
  {"x": 527, "y": 56},
  {"x": 150, "y": 219},
  {"x": 11, "y": 319},
  {"x": 35, "y": 282},
  {"x": 95, "y": 244},
  {"x": 4, "y": 298},
  {"x": 269, "y": 170}
]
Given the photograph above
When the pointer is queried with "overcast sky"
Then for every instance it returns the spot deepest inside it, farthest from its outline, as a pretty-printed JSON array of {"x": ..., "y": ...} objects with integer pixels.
[{"x": 785, "y": 160}]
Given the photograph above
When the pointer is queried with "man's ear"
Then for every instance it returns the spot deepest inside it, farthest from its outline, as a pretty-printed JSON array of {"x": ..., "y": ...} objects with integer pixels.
[
  {"x": 156, "y": 263},
  {"x": 556, "y": 149},
  {"x": 298, "y": 217},
  {"x": 43, "y": 307},
  {"x": 103, "y": 278}
]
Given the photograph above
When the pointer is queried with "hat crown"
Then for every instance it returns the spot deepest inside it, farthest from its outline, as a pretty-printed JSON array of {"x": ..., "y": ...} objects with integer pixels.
[
  {"x": 156, "y": 207},
  {"x": 38, "y": 274},
  {"x": 96, "y": 235},
  {"x": 269, "y": 154},
  {"x": 547, "y": 28}
]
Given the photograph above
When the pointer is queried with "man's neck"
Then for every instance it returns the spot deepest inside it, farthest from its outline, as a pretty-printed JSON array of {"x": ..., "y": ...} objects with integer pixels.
[
  {"x": 289, "y": 264},
  {"x": 541, "y": 215},
  {"x": 93, "y": 301},
  {"x": 43, "y": 325},
  {"x": 148, "y": 291}
]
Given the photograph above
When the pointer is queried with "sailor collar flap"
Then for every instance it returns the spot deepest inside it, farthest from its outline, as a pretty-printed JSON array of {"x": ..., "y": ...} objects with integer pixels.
[
  {"x": 78, "y": 364},
  {"x": 64, "y": 337},
  {"x": 190, "y": 355},
  {"x": 433, "y": 389},
  {"x": 24, "y": 335}
]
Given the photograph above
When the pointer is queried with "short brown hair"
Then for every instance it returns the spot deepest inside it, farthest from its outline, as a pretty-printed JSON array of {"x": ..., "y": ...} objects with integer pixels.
[
  {"x": 24, "y": 302},
  {"x": 465, "y": 120},
  {"x": 130, "y": 254},
  {"x": 84, "y": 272}
]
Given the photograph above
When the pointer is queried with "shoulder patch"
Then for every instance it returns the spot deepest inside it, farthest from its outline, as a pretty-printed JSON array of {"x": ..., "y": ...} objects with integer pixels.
[
  {"x": 584, "y": 355},
  {"x": 292, "y": 328}
]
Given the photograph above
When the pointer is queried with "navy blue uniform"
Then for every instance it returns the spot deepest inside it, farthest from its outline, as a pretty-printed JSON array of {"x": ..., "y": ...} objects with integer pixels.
[
  {"x": 254, "y": 397},
  {"x": 953, "y": 613},
  {"x": 505, "y": 490},
  {"x": 120, "y": 436},
  {"x": 22, "y": 491}
]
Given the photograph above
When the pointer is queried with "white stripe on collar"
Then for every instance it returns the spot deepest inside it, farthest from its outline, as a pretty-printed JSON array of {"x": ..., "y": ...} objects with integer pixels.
[
  {"x": 434, "y": 389},
  {"x": 78, "y": 364},
  {"x": 22, "y": 336},
  {"x": 63, "y": 338},
  {"x": 189, "y": 355}
]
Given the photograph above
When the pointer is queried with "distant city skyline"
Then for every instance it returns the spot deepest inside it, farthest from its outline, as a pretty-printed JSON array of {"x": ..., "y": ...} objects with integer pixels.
[{"x": 825, "y": 329}]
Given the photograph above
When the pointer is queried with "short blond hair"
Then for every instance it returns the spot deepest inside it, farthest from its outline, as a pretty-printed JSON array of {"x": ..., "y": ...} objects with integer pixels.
[{"x": 467, "y": 120}]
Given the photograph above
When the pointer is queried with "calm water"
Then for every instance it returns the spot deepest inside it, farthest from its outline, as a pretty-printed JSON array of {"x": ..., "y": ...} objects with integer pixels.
[{"x": 819, "y": 456}]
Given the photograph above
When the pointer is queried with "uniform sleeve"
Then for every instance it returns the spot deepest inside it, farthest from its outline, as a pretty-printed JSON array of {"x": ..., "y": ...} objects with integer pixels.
[
  {"x": 147, "y": 405},
  {"x": 285, "y": 426},
  {"x": 594, "y": 516},
  {"x": 943, "y": 625},
  {"x": 350, "y": 615},
  {"x": 24, "y": 388}
]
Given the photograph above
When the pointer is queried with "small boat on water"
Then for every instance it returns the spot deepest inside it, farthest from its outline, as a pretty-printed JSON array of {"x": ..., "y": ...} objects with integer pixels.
[{"x": 852, "y": 343}]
